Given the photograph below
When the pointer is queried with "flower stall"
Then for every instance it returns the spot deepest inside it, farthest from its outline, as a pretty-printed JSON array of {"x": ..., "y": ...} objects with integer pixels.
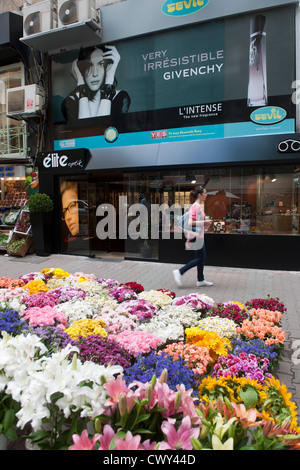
[{"x": 88, "y": 363}]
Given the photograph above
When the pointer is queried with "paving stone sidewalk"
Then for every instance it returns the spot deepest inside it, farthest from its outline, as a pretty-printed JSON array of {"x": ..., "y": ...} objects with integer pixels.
[{"x": 229, "y": 284}]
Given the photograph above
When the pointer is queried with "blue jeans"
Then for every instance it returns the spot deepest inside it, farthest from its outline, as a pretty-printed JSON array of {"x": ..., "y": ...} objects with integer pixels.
[{"x": 199, "y": 261}]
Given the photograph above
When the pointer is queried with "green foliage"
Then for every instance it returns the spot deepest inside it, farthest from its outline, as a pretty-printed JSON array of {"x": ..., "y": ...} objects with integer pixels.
[{"x": 40, "y": 203}]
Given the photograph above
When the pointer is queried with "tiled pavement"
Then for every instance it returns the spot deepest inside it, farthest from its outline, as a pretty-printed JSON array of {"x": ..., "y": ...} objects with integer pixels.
[{"x": 229, "y": 284}]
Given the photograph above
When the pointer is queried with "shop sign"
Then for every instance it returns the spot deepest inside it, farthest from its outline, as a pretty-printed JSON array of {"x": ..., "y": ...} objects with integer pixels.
[
  {"x": 66, "y": 161},
  {"x": 268, "y": 115},
  {"x": 289, "y": 146},
  {"x": 183, "y": 8}
]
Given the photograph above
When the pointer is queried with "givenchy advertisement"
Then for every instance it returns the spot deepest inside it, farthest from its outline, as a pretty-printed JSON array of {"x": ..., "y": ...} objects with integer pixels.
[{"x": 202, "y": 81}]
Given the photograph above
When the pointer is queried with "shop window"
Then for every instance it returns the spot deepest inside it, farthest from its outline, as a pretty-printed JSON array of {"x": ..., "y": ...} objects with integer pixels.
[{"x": 12, "y": 132}]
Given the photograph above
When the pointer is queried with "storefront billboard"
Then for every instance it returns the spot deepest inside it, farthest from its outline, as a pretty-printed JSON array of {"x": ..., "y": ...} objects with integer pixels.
[{"x": 226, "y": 78}]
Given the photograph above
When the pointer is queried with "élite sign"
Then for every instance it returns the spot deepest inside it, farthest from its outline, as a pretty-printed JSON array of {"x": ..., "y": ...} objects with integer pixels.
[
  {"x": 53, "y": 160},
  {"x": 67, "y": 161}
]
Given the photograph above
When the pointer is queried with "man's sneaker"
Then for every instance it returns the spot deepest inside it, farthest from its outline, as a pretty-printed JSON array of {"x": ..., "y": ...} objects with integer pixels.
[
  {"x": 177, "y": 277},
  {"x": 204, "y": 283}
]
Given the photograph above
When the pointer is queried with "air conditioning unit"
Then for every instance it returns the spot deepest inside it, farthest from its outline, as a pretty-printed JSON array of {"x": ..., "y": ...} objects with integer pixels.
[
  {"x": 75, "y": 11},
  {"x": 25, "y": 101},
  {"x": 39, "y": 17}
]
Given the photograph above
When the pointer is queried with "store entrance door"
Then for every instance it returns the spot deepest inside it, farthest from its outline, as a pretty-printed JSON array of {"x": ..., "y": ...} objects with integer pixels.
[{"x": 104, "y": 189}]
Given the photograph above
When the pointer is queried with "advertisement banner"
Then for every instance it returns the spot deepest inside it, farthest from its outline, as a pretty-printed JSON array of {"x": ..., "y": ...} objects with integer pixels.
[{"x": 227, "y": 78}]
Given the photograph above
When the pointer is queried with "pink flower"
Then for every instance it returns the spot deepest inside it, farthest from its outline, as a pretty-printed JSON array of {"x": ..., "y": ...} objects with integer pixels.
[
  {"x": 106, "y": 438},
  {"x": 180, "y": 439},
  {"x": 129, "y": 443},
  {"x": 83, "y": 442},
  {"x": 115, "y": 388}
]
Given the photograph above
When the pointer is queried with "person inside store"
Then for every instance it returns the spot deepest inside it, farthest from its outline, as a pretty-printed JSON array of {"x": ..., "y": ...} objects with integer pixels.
[
  {"x": 195, "y": 239},
  {"x": 96, "y": 92},
  {"x": 70, "y": 213}
]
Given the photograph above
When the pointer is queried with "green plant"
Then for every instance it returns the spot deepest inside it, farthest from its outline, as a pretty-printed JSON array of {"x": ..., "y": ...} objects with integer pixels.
[{"x": 40, "y": 203}]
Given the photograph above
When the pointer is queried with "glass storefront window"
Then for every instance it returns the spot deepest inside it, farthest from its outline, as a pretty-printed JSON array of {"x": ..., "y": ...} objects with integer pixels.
[{"x": 241, "y": 200}]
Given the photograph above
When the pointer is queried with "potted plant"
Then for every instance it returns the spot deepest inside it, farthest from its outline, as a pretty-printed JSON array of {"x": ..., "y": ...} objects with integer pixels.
[{"x": 41, "y": 207}]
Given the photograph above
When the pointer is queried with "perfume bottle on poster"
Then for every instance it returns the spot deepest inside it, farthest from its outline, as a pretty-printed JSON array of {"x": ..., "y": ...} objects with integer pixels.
[{"x": 257, "y": 86}]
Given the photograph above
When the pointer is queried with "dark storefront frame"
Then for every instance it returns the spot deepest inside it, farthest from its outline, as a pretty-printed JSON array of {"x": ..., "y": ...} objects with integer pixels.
[{"x": 236, "y": 250}]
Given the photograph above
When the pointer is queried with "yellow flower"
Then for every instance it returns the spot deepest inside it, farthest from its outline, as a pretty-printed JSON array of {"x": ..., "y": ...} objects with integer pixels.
[
  {"x": 86, "y": 327},
  {"x": 211, "y": 340},
  {"x": 34, "y": 287}
]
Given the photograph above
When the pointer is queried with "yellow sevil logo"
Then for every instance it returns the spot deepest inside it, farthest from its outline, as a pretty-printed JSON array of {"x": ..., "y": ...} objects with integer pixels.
[{"x": 184, "y": 7}]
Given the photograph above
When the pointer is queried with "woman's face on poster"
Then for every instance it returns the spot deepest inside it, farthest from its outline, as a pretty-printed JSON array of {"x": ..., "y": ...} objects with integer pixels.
[
  {"x": 94, "y": 74},
  {"x": 70, "y": 210}
]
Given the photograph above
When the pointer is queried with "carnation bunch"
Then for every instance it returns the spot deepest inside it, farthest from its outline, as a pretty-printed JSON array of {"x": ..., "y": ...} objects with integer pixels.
[
  {"x": 263, "y": 324},
  {"x": 137, "y": 342},
  {"x": 36, "y": 316},
  {"x": 196, "y": 357}
]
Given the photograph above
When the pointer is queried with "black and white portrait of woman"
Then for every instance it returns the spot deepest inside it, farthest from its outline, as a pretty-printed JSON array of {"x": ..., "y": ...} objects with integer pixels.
[{"x": 96, "y": 93}]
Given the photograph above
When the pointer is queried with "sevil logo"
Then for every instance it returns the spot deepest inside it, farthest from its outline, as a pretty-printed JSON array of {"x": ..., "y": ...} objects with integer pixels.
[{"x": 289, "y": 145}]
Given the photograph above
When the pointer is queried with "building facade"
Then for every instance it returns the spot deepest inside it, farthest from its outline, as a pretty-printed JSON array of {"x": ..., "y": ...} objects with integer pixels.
[{"x": 144, "y": 100}]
